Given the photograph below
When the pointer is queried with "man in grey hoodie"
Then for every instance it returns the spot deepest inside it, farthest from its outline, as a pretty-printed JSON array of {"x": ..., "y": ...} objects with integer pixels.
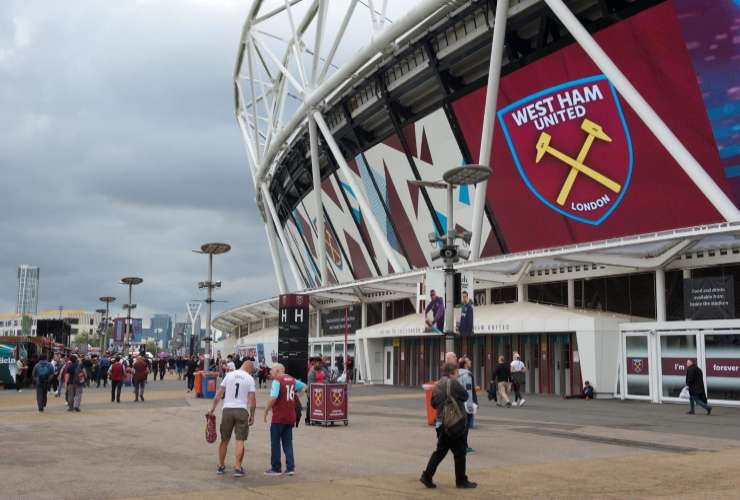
[{"x": 465, "y": 378}]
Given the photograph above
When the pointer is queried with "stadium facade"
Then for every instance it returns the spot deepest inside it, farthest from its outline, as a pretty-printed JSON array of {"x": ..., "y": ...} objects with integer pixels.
[{"x": 605, "y": 243}]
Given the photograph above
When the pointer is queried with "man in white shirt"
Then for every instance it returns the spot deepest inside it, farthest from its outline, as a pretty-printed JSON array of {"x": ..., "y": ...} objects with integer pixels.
[
  {"x": 518, "y": 369},
  {"x": 237, "y": 390}
]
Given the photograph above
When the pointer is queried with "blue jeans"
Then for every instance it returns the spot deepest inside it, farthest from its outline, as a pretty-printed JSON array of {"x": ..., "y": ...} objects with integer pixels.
[
  {"x": 699, "y": 400},
  {"x": 284, "y": 433}
]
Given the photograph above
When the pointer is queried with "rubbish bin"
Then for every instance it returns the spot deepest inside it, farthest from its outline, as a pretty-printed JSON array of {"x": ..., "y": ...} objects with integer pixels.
[
  {"x": 209, "y": 385},
  {"x": 198, "y": 384},
  {"x": 431, "y": 412}
]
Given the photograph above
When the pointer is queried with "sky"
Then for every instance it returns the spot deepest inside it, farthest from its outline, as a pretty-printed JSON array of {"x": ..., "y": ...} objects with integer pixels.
[{"x": 120, "y": 153}]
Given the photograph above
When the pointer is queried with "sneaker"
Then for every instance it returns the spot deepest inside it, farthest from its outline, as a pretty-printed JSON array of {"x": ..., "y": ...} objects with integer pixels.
[
  {"x": 270, "y": 472},
  {"x": 239, "y": 472},
  {"x": 521, "y": 403},
  {"x": 77, "y": 410},
  {"x": 689, "y": 412},
  {"x": 142, "y": 399},
  {"x": 514, "y": 404},
  {"x": 469, "y": 450},
  {"x": 467, "y": 485},
  {"x": 709, "y": 410},
  {"x": 426, "y": 480},
  {"x": 290, "y": 473},
  {"x": 221, "y": 470}
]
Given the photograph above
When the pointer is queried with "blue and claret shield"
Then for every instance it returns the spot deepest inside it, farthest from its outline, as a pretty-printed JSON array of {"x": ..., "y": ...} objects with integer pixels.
[{"x": 572, "y": 147}]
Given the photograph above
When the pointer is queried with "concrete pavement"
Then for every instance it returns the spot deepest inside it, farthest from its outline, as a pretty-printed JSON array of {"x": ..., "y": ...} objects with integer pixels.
[{"x": 549, "y": 448}]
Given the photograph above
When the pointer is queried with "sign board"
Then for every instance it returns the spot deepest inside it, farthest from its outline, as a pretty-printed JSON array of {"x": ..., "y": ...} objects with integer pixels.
[
  {"x": 709, "y": 298},
  {"x": 434, "y": 312},
  {"x": 293, "y": 334},
  {"x": 333, "y": 321},
  {"x": 328, "y": 402}
]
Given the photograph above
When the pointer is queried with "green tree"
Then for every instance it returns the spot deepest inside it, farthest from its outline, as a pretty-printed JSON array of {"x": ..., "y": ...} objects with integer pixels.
[
  {"x": 151, "y": 346},
  {"x": 26, "y": 323}
]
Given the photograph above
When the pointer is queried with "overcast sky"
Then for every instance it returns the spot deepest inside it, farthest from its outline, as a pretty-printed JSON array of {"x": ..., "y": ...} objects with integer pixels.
[{"x": 120, "y": 153}]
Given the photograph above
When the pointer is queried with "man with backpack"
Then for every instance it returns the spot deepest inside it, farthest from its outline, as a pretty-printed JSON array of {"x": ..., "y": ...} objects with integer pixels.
[
  {"x": 103, "y": 366},
  {"x": 75, "y": 380},
  {"x": 448, "y": 398},
  {"x": 42, "y": 372}
]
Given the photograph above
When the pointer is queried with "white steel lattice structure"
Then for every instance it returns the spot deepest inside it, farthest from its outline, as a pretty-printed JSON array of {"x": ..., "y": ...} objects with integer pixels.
[{"x": 316, "y": 82}]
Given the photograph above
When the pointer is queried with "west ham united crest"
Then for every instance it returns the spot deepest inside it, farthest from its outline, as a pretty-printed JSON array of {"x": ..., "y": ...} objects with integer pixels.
[{"x": 572, "y": 147}]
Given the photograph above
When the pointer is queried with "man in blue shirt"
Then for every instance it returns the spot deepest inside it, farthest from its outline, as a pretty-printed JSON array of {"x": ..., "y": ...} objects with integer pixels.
[{"x": 437, "y": 306}]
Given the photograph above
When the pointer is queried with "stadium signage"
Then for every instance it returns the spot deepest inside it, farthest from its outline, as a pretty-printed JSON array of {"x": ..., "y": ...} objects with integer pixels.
[{"x": 572, "y": 147}]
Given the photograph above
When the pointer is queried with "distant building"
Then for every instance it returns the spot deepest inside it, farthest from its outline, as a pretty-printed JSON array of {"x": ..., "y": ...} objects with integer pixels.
[
  {"x": 80, "y": 321},
  {"x": 161, "y": 329},
  {"x": 28, "y": 290}
]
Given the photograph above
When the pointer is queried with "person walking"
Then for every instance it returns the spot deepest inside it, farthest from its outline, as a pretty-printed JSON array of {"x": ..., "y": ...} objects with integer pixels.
[
  {"x": 87, "y": 364},
  {"x": 448, "y": 389},
  {"x": 503, "y": 375},
  {"x": 42, "y": 372},
  {"x": 162, "y": 368},
  {"x": 141, "y": 370},
  {"x": 191, "y": 367},
  {"x": 465, "y": 377},
  {"x": 75, "y": 380},
  {"x": 285, "y": 389},
  {"x": 117, "y": 375},
  {"x": 104, "y": 365},
  {"x": 238, "y": 391},
  {"x": 61, "y": 372},
  {"x": 695, "y": 382},
  {"x": 20, "y": 374},
  {"x": 518, "y": 378}
]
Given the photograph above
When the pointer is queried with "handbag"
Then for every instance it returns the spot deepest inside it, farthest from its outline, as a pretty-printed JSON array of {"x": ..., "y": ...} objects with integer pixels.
[
  {"x": 211, "y": 428},
  {"x": 453, "y": 420},
  {"x": 684, "y": 392}
]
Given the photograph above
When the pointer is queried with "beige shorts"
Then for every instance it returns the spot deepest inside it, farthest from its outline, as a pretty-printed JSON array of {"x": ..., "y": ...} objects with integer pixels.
[{"x": 236, "y": 420}]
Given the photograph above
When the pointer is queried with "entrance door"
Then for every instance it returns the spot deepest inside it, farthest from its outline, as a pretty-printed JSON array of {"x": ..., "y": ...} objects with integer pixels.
[
  {"x": 637, "y": 367},
  {"x": 388, "y": 365}
]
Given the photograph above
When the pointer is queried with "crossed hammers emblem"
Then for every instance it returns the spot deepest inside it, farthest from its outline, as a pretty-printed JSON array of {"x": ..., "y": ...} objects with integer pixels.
[{"x": 577, "y": 165}]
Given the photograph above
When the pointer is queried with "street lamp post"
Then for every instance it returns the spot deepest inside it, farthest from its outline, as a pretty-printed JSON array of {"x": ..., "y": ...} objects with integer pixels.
[
  {"x": 107, "y": 299},
  {"x": 210, "y": 249},
  {"x": 130, "y": 281},
  {"x": 450, "y": 252}
]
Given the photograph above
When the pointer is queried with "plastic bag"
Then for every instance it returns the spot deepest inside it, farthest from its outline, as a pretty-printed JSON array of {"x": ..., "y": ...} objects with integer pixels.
[
  {"x": 211, "y": 428},
  {"x": 684, "y": 392}
]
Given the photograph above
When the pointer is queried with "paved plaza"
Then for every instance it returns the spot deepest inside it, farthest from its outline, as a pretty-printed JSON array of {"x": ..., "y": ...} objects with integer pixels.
[{"x": 549, "y": 448}]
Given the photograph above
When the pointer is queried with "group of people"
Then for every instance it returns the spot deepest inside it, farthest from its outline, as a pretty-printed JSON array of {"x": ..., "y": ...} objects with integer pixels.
[{"x": 238, "y": 392}]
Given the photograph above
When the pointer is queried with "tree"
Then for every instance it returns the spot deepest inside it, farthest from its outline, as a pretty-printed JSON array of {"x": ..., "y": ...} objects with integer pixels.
[
  {"x": 151, "y": 346},
  {"x": 83, "y": 339}
]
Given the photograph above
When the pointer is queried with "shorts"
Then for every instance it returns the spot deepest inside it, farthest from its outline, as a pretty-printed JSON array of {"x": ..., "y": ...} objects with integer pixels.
[{"x": 236, "y": 420}]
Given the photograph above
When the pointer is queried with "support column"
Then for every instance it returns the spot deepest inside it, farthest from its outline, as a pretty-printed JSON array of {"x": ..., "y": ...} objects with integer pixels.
[
  {"x": 316, "y": 171},
  {"x": 489, "y": 121},
  {"x": 488, "y": 296},
  {"x": 647, "y": 114},
  {"x": 660, "y": 313},
  {"x": 571, "y": 294},
  {"x": 277, "y": 264},
  {"x": 267, "y": 199},
  {"x": 687, "y": 274},
  {"x": 360, "y": 195},
  {"x": 521, "y": 292}
]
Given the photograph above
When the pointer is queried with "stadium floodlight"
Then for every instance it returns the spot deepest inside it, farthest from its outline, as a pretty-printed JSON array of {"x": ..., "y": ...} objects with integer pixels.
[
  {"x": 210, "y": 249},
  {"x": 129, "y": 281}
]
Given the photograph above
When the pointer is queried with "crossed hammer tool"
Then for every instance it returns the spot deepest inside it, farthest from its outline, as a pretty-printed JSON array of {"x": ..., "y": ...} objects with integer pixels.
[{"x": 593, "y": 131}]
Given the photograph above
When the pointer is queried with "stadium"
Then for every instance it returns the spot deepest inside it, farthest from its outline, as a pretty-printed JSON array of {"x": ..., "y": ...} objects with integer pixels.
[{"x": 603, "y": 246}]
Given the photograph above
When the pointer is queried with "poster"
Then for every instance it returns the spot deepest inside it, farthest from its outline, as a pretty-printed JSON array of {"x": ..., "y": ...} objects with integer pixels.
[
  {"x": 709, "y": 298},
  {"x": 434, "y": 312}
]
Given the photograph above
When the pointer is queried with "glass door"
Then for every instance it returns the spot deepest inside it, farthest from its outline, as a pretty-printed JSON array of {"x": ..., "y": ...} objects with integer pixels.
[
  {"x": 674, "y": 350},
  {"x": 636, "y": 373},
  {"x": 388, "y": 365},
  {"x": 722, "y": 366}
]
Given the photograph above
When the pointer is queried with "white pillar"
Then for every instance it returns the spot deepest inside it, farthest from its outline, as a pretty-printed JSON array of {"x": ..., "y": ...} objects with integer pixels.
[
  {"x": 359, "y": 192},
  {"x": 488, "y": 296},
  {"x": 489, "y": 121},
  {"x": 571, "y": 294},
  {"x": 317, "y": 191},
  {"x": 267, "y": 199},
  {"x": 521, "y": 292},
  {"x": 318, "y": 322},
  {"x": 277, "y": 264},
  {"x": 382, "y": 312},
  {"x": 647, "y": 114},
  {"x": 687, "y": 274},
  {"x": 660, "y": 313}
]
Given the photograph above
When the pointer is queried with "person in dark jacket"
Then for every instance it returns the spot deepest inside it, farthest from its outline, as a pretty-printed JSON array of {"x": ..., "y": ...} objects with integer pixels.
[
  {"x": 695, "y": 382},
  {"x": 502, "y": 372},
  {"x": 437, "y": 307},
  {"x": 447, "y": 443}
]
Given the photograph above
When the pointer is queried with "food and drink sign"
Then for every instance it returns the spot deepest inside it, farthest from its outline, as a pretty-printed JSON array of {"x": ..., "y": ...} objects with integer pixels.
[{"x": 709, "y": 298}]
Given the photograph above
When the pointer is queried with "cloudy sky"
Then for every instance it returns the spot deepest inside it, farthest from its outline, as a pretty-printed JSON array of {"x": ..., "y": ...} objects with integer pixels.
[{"x": 120, "y": 153}]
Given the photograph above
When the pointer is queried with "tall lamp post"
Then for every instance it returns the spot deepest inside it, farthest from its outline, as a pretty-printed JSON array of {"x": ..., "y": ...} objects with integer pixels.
[
  {"x": 210, "y": 249},
  {"x": 450, "y": 252},
  {"x": 130, "y": 281},
  {"x": 107, "y": 300}
]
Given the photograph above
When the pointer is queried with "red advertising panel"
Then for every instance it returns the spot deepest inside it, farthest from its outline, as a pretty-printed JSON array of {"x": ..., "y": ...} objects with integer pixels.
[
  {"x": 674, "y": 366},
  {"x": 318, "y": 402},
  {"x": 723, "y": 367},
  {"x": 336, "y": 402},
  {"x": 570, "y": 155}
]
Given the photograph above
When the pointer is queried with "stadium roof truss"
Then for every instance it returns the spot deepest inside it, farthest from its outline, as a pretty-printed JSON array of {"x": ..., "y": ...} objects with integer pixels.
[
  {"x": 302, "y": 111},
  {"x": 698, "y": 246}
]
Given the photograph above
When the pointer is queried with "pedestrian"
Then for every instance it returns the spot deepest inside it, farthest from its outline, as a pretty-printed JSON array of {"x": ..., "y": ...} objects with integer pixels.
[
  {"x": 465, "y": 377},
  {"x": 238, "y": 391},
  {"x": 75, "y": 380},
  {"x": 518, "y": 379},
  {"x": 695, "y": 382},
  {"x": 61, "y": 372},
  {"x": 316, "y": 375},
  {"x": 502, "y": 378},
  {"x": 103, "y": 366},
  {"x": 88, "y": 366},
  {"x": 42, "y": 372},
  {"x": 162, "y": 368},
  {"x": 191, "y": 368},
  {"x": 141, "y": 370},
  {"x": 586, "y": 393},
  {"x": 117, "y": 375},
  {"x": 20, "y": 373},
  {"x": 448, "y": 389},
  {"x": 285, "y": 389}
]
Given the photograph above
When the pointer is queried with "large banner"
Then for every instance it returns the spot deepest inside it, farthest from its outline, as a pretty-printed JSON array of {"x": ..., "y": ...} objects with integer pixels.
[
  {"x": 293, "y": 334},
  {"x": 572, "y": 162},
  {"x": 336, "y": 321}
]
